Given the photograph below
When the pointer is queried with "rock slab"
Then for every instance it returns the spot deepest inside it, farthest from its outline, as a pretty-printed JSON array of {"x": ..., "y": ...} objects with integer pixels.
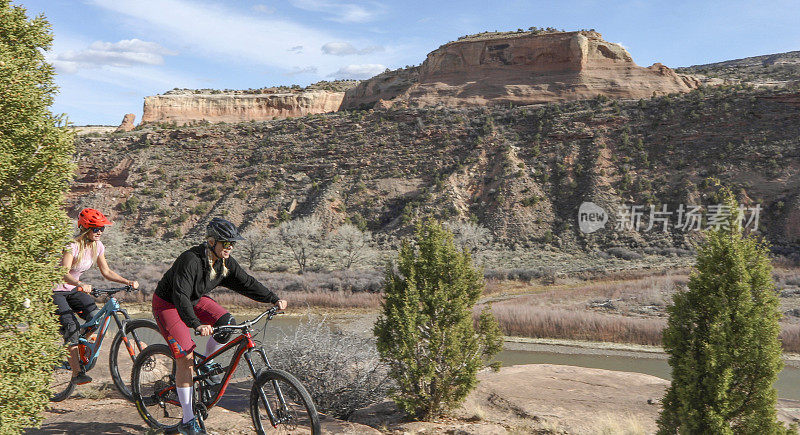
[{"x": 191, "y": 108}]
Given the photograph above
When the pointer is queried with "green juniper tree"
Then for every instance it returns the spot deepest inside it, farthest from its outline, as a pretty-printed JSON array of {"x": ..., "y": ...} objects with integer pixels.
[
  {"x": 426, "y": 332},
  {"x": 35, "y": 168},
  {"x": 722, "y": 338}
]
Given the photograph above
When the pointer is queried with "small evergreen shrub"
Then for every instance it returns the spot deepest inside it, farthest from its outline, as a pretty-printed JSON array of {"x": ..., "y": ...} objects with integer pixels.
[{"x": 426, "y": 333}]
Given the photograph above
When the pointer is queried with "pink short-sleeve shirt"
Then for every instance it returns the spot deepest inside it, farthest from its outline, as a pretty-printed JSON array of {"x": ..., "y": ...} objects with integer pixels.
[{"x": 78, "y": 269}]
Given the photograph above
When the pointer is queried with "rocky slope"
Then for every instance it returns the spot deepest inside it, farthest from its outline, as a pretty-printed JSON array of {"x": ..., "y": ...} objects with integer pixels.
[
  {"x": 522, "y": 172},
  {"x": 188, "y": 108},
  {"x": 519, "y": 68},
  {"x": 781, "y": 69}
]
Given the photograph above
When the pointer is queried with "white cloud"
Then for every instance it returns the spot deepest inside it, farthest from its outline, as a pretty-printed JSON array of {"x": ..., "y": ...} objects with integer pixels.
[
  {"x": 345, "y": 49},
  {"x": 359, "y": 71},
  {"x": 222, "y": 34},
  {"x": 296, "y": 49},
  {"x": 264, "y": 9},
  {"x": 298, "y": 71},
  {"x": 125, "y": 53},
  {"x": 342, "y": 12}
]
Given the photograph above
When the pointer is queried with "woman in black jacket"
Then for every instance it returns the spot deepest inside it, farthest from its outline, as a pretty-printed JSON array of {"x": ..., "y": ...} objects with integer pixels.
[{"x": 180, "y": 304}]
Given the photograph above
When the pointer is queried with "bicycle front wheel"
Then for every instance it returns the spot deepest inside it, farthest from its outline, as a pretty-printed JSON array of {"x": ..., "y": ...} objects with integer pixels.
[
  {"x": 61, "y": 382},
  {"x": 139, "y": 334},
  {"x": 153, "y": 387},
  {"x": 280, "y": 404}
]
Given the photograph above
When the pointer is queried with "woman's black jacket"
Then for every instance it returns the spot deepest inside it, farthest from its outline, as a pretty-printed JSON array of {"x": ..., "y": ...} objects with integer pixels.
[{"x": 188, "y": 280}]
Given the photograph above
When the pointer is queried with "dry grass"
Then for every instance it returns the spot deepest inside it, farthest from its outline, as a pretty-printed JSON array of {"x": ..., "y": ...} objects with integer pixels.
[
  {"x": 562, "y": 310},
  {"x": 611, "y": 424},
  {"x": 547, "y": 322},
  {"x": 790, "y": 337},
  {"x": 315, "y": 299}
]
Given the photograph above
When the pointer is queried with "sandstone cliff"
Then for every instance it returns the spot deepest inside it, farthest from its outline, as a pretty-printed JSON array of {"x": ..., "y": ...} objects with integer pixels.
[
  {"x": 522, "y": 68},
  {"x": 186, "y": 108}
]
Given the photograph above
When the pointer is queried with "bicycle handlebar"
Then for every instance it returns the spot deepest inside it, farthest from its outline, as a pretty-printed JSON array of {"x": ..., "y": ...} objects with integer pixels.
[
  {"x": 247, "y": 324},
  {"x": 110, "y": 291}
]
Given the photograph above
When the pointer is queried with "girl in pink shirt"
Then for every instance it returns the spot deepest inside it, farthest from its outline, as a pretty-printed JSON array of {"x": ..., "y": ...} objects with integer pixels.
[{"x": 72, "y": 296}]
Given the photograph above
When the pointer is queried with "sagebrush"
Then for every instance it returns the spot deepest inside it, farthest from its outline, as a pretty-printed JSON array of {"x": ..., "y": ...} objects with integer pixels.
[{"x": 342, "y": 371}]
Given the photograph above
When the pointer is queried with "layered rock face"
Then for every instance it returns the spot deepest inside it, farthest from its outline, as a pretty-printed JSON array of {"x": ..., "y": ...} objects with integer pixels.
[
  {"x": 127, "y": 122},
  {"x": 522, "y": 68},
  {"x": 189, "y": 107}
]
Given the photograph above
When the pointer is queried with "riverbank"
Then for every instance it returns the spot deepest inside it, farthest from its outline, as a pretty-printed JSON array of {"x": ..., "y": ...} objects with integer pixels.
[{"x": 603, "y": 348}]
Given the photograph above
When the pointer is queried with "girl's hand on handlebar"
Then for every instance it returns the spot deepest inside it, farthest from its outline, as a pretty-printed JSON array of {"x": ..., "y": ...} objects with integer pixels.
[
  {"x": 134, "y": 284},
  {"x": 86, "y": 288},
  {"x": 281, "y": 304},
  {"x": 204, "y": 330}
]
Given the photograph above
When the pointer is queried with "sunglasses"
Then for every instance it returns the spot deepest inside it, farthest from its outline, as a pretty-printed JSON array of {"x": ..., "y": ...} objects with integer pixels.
[
  {"x": 226, "y": 245},
  {"x": 98, "y": 229}
]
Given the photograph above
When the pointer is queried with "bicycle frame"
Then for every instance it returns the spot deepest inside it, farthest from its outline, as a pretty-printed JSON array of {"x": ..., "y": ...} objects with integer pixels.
[
  {"x": 101, "y": 321},
  {"x": 245, "y": 344}
]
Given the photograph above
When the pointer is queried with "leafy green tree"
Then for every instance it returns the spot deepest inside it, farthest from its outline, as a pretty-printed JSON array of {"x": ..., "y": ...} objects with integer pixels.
[
  {"x": 35, "y": 168},
  {"x": 426, "y": 332},
  {"x": 722, "y": 338}
]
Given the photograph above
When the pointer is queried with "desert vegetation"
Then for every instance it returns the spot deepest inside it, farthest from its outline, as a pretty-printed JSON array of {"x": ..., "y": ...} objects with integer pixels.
[
  {"x": 518, "y": 172},
  {"x": 343, "y": 371}
]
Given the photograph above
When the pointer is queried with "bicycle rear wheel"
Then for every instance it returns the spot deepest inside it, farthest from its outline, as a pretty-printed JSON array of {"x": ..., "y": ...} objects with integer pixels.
[
  {"x": 292, "y": 409},
  {"x": 61, "y": 383},
  {"x": 139, "y": 334},
  {"x": 153, "y": 387}
]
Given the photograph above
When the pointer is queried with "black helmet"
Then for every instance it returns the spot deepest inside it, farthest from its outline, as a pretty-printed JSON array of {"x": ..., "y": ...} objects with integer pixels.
[{"x": 222, "y": 230}]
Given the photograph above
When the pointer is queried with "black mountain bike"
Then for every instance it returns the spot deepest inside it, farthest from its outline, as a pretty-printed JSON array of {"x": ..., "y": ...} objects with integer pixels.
[
  {"x": 277, "y": 398},
  {"x": 133, "y": 336}
]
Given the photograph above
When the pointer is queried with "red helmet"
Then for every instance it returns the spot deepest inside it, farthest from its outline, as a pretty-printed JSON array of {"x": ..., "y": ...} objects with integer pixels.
[{"x": 91, "y": 218}]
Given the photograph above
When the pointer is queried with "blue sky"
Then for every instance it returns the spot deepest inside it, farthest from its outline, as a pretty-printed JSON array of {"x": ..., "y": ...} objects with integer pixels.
[{"x": 110, "y": 54}]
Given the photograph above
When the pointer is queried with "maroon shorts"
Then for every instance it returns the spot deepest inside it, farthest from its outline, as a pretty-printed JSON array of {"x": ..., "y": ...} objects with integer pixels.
[{"x": 177, "y": 334}]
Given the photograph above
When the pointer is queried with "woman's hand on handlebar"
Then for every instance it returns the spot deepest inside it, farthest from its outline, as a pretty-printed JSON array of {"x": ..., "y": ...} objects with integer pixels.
[
  {"x": 281, "y": 304},
  {"x": 134, "y": 284},
  {"x": 86, "y": 288},
  {"x": 204, "y": 330}
]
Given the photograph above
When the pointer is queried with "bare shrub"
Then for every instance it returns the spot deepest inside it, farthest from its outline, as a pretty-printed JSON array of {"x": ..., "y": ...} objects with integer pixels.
[
  {"x": 342, "y": 371},
  {"x": 470, "y": 237},
  {"x": 253, "y": 247},
  {"x": 303, "y": 237},
  {"x": 362, "y": 280},
  {"x": 351, "y": 244}
]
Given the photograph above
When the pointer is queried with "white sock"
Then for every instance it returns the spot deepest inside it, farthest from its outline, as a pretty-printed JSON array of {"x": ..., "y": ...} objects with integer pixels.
[
  {"x": 185, "y": 397},
  {"x": 212, "y": 346}
]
